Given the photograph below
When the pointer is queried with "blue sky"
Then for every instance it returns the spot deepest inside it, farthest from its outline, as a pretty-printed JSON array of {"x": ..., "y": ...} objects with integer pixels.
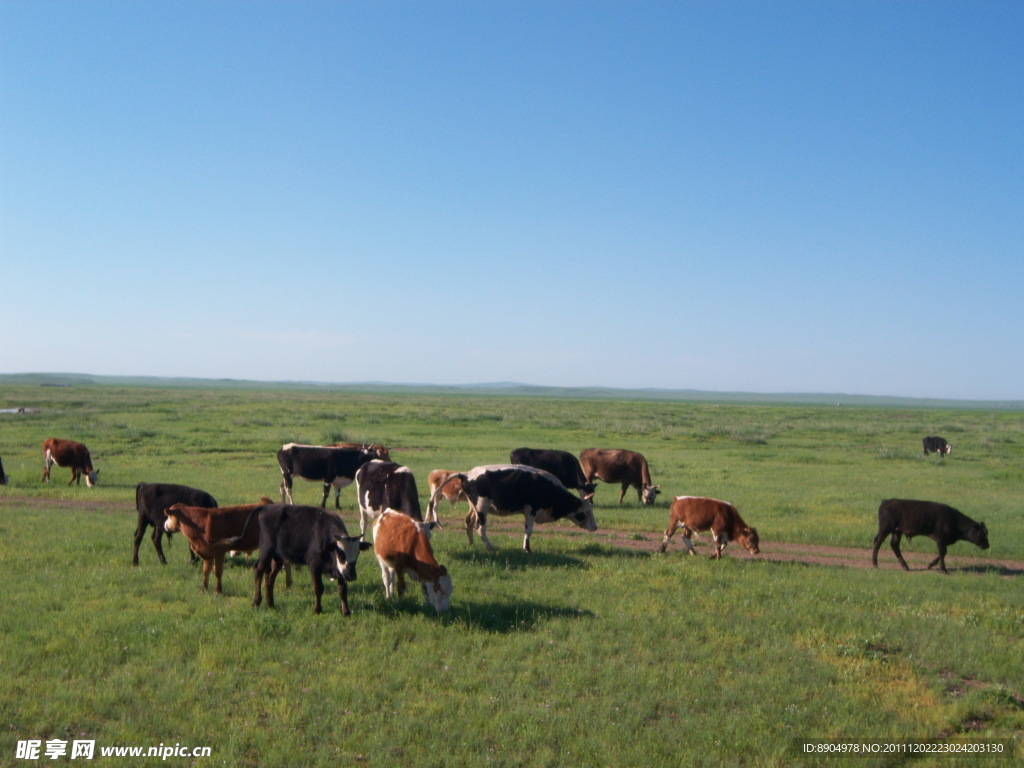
[{"x": 738, "y": 196}]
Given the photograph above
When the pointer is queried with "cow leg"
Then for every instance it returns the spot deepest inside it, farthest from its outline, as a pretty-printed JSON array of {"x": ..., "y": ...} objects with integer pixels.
[
  {"x": 218, "y": 569},
  {"x": 400, "y": 581},
  {"x": 288, "y": 575},
  {"x": 721, "y": 540},
  {"x": 343, "y": 596},
  {"x": 876, "y": 544},
  {"x": 387, "y": 577},
  {"x": 47, "y": 463},
  {"x": 672, "y": 527},
  {"x": 140, "y": 531},
  {"x": 75, "y": 476},
  {"x": 286, "y": 489},
  {"x": 275, "y": 567},
  {"x": 258, "y": 572},
  {"x": 337, "y": 498},
  {"x": 894, "y": 542},
  {"x": 688, "y": 540},
  {"x": 207, "y": 567},
  {"x": 531, "y": 519},
  {"x": 318, "y": 589},
  {"x": 481, "y": 527},
  {"x": 622, "y": 494},
  {"x": 941, "y": 559},
  {"x": 158, "y": 535}
]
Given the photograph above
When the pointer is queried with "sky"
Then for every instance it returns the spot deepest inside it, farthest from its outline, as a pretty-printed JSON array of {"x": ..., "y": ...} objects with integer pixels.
[{"x": 763, "y": 196}]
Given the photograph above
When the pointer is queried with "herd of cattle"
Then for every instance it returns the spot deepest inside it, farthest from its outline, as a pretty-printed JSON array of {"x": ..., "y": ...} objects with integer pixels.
[{"x": 536, "y": 483}]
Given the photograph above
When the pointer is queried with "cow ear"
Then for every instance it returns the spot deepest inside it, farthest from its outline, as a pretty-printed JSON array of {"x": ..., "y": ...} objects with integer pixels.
[
  {"x": 364, "y": 545},
  {"x": 589, "y": 496}
]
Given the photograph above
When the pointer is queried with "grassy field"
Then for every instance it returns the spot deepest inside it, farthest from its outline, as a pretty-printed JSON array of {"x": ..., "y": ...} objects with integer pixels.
[{"x": 585, "y": 652}]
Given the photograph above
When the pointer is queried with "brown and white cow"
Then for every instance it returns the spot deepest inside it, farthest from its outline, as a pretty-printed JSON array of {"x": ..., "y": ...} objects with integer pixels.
[
  {"x": 611, "y": 465},
  {"x": 68, "y": 453},
  {"x": 698, "y": 513},
  {"x": 451, "y": 489},
  {"x": 402, "y": 547},
  {"x": 212, "y": 532}
]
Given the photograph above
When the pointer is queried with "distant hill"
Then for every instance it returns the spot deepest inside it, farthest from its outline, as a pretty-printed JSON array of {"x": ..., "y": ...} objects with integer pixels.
[{"x": 510, "y": 389}]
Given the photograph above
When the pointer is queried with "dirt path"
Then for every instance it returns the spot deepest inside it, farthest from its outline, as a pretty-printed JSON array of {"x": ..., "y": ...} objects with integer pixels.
[{"x": 774, "y": 551}]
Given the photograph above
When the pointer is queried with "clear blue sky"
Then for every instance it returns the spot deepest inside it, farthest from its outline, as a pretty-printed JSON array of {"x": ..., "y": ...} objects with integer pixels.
[{"x": 744, "y": 196}]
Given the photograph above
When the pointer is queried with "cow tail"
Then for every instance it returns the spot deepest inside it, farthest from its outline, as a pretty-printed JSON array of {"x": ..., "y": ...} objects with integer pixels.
[{"x": 240, "y": 537}]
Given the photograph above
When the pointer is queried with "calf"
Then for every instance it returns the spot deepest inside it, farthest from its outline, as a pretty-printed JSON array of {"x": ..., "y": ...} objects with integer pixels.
[
  {"x": 213, "y": 532},
  {"x": 151, "y": 499},
  {"x": 68, "y": 453},
  {"x": 905, "y": 517},
  {"x": 511, "y": 489},
  {"x": 310, "y": 536},
  {"x": 402, "y": 547},
  {"x": 450, "y": 485},
  {"x": 330, "y": 465},
  {"x": 384, "y": 484},
  {"x": 697, "y": 513},
  {"x": 936, "y": 445},
  {"x": 561, "y": 464},
  {"x": 617, "y": 466}
]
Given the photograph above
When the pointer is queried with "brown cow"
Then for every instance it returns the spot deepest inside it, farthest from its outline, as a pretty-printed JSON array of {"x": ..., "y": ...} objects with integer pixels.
[
  {"x": 697, "y": 513},
  {"x": 212, "y": 532},
  {"x": 617, "y": 466},
  {"x": 68, "y": 453},
  {"x": 402, "y": 546},
  {"x": 451, "y": 489}
]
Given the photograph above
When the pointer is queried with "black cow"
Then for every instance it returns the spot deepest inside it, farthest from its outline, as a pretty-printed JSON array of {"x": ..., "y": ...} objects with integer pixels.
[
  {"x": 904, "y": 517},
  {"x": 936, "y": 445},
  {"x": 310, "y": 536},
  {"x": 151, "y": 499},
  {"x": 3, "y": 477},
  {"x": 562, "y": 464},
  {"x": 329, "y": 465},
  {"x": 384, "y": 484},
  {"x": 510, "y": 489}
]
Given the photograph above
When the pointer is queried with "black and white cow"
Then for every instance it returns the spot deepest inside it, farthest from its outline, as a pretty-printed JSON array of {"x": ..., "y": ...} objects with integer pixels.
[
  {"x": 384, "y": 484},
  {"x": 562, "y": 464},
  {"x": 329, "y": 465},
  {"x": 151, "y": 499},
  {"x": 514, "y": 489},
  {"x": 937, "y": 445},
  {"x": 308, "y": 536}
]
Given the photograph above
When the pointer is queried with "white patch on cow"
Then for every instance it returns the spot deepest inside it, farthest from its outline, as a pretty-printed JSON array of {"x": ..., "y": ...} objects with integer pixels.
[{"x": 439, "y": 593}]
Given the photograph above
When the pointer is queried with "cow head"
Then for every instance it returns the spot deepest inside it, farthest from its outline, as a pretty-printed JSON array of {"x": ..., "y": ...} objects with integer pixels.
[
  {"x": 172, "y": 524},
  {"x": 91, "y": 477},
  {"x": 948, "y": 449},
  {"x": 346, "y": 551},
  {"x": 439, "y": 592},
  {"x": 748, "y": 540},
  {"x": 584, "y": 516},
  {"x": 650, "y": 492},
  {"x": 978, "y": 534}
]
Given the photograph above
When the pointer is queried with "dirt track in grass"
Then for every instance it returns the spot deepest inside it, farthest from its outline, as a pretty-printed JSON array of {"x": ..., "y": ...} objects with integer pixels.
[{"x": 773, "y": 551}]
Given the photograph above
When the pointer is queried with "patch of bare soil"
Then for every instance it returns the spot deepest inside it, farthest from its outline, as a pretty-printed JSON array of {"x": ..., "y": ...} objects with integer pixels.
[{"x": 773, "y": 551}]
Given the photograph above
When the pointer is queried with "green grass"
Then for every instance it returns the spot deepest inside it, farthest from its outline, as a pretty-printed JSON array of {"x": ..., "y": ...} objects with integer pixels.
[{"x": 581, "y": 653}]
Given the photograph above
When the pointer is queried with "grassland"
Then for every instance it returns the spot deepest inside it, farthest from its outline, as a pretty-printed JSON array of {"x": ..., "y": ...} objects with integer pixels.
[{"x": 586, "y": 652}]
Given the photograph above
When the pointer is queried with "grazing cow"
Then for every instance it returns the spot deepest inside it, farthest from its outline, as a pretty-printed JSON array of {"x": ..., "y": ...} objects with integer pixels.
[
  {"x": 213, "y": 532},
  {"x": 402, "y": 547},
  {"x": 378, "y": 450},
  {"x": 68, "y": 453},
  {"x": 936, "y": 445},
  {"x": 327, "y": 464},
  {"x": 905, "y": 517},
  {"x": 384, "y": 484},
  {"x": 561, "y": 464},
  {"x": 511, "y": 489},
  {"x": 450, "y": 483},
  {"x": 3, "y": 477},
  {"x": 697, "y": 513},
  {"x": 616, "y": 466},
  {"x": 151, "y": 499},
  {"x": 309, "y": 536}
]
